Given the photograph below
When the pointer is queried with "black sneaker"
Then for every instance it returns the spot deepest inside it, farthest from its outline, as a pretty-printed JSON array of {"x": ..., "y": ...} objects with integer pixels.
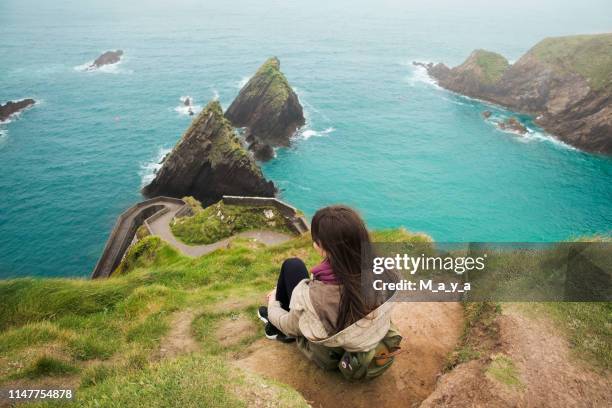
[
  {"x": 262, "y": 313},
  {"x": 273, "y": 333}
]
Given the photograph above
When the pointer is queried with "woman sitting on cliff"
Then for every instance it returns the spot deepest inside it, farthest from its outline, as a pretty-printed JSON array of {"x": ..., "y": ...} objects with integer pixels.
[{"x": 328, "y": 314}]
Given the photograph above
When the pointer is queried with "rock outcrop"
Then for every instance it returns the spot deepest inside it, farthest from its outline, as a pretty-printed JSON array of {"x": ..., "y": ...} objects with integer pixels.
[
  {"x": 269, "y": 110},
  {"x": 10, "y": 108},
  {"x": 109, "y": 57},
  {"x": 513, "y": 125},
  {"x": 564, "y": 82},
  {"x": 208, "y": 162}
]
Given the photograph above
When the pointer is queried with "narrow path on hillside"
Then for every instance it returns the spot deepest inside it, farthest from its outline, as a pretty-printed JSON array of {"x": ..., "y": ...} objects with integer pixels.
[
  {"x": 179, "y": 339},
  {"x": 430, "y": 330},
  {"x": 547, "y": 374},
  {"x": 161, "y": 227}
]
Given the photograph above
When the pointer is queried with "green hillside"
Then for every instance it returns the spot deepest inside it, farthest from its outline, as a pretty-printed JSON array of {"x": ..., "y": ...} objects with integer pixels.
[
  {"x": 108, "y": 339},
  {"x": 102, "y": 336},
  {"x": 587, "y": 55}
]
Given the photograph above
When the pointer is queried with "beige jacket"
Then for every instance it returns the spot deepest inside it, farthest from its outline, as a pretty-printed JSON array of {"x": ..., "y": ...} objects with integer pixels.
[{"x": 313, "y": 313}]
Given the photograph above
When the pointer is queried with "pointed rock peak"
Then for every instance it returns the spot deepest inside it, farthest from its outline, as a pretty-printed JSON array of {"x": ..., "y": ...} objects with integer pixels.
[
  {"x": 268, "y": 108},
  {"x": 213, "y": 107},
  {"x": 208, "y": 162},
  {"x": 271, "y": 63}
]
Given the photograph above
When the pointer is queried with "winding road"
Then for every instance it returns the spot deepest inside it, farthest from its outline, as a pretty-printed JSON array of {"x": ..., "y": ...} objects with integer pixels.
[{"x": 160, "y": 226}]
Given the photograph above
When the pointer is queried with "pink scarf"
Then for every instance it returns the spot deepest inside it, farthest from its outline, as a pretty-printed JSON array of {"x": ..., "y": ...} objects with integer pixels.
[{"x": 323, "y": 272}]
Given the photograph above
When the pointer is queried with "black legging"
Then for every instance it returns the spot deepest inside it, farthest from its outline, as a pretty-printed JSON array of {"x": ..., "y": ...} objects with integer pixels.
[{"x": 292, "y": 272}]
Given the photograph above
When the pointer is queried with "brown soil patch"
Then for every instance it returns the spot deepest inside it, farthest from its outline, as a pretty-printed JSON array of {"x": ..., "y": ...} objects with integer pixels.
[
  {"x": 232, "y": 331},
  {"x": 179, "y": 339},
  {"x": 550, "y": 376},
  {"x": 430, "y": 332},
  {"x": 237, "y": 302}
]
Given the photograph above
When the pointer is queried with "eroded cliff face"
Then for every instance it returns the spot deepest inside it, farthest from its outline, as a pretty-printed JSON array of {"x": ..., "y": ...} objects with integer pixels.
[
  {"x": 209, "y": 162},
  {"x": 269, "y": 110},
  {"x": 10, "y": 108},
  {"x": 564, "y": 82}
]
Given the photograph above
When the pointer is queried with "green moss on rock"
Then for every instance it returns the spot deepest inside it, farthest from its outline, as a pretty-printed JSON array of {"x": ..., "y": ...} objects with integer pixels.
[
  {"x": 220, "y": 221},
  {"x": 491, "y": 64}
]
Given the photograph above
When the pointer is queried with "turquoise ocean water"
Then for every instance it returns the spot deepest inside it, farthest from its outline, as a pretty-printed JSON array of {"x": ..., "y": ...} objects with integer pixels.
[{"x": 380, "y": 136}]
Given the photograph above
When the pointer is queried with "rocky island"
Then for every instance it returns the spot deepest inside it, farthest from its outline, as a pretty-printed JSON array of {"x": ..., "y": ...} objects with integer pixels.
[
  {"x": 10, "y": 108},
  {"x": 208, "y": 162},
  {"x": 269, "y": 110},
  {"x": 564, "y": 82},
  {"x": 107, "y": 58}
]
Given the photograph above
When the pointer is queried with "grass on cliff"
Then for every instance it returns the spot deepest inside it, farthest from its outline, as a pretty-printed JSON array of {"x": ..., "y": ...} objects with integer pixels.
[
  {"x": 492, "y": 65},
  {"x": 219, "y": 221},
  {"x": 588, "y": 55},
  {"x": 226, "y": 147},
  {"x": 270, "y": 79},
  {"x": 103, "y": 337}
]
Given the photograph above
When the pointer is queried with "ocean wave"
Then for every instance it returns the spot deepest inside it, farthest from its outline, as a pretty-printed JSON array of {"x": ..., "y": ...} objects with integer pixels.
[
  {"x": 308, "y": 133},
  {"x": 418, "y": 75},
  {"x": 240, "y": 84},
  {"x": 106, "y": 69},
  {"x": 183, "y": 109},
  {"x": 532, "y": 135},
  {"x": 544, "y": 137},
  {"x": 149, "y": 169}
]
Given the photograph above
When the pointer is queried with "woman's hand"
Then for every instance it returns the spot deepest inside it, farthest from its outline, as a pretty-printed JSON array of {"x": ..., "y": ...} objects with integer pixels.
[{"x": 271, "y": 295}]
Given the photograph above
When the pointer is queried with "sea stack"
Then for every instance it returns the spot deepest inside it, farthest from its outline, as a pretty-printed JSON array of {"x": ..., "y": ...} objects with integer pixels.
[
  {"x": 564, "y": 82},
  {"x": 12, "y": 107},
  {"x": 208, "y": 162},
  {"x": 269, "y": 110},
  {"x": 109, "y": 57}
]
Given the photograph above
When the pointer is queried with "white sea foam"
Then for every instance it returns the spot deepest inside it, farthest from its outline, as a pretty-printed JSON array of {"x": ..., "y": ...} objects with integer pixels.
[
  {"x": 308, "y": 133},
  {"x": 545, "y": 137},
  {"x": 215, "y": 95},
  {"x": 183, "y": 110},
  {"x": 16, "y": 115},
  {"x": 106, "y": 69},
  {"x": 149, "y": 169},
  {"x": 532, "y": 135},
  {"x": 242, "y": 82},
  {"x": 418, "y": 75}
]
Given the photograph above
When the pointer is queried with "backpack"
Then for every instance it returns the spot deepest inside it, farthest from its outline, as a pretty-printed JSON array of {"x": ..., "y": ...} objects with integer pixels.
[{"x": 355, "y": 365}]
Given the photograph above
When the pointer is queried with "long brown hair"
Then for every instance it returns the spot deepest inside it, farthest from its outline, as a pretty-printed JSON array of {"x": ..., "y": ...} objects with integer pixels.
[{"x": 342, "y": 234}]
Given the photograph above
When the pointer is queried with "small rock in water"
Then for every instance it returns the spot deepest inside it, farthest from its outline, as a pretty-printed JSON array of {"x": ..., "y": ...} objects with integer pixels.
[
  {"x": 513, "y": 124},
  {"x": 486, "y": 114},
  {"x": 109, "y": 57}
]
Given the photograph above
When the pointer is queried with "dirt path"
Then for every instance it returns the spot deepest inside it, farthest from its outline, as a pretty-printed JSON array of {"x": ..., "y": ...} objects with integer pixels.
[
  {"x": 549, "y": 375},
  {"x": 161, "y": 227},
  {"x": 430, "y": 332},
  {"x": 179, "y": 339}
]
